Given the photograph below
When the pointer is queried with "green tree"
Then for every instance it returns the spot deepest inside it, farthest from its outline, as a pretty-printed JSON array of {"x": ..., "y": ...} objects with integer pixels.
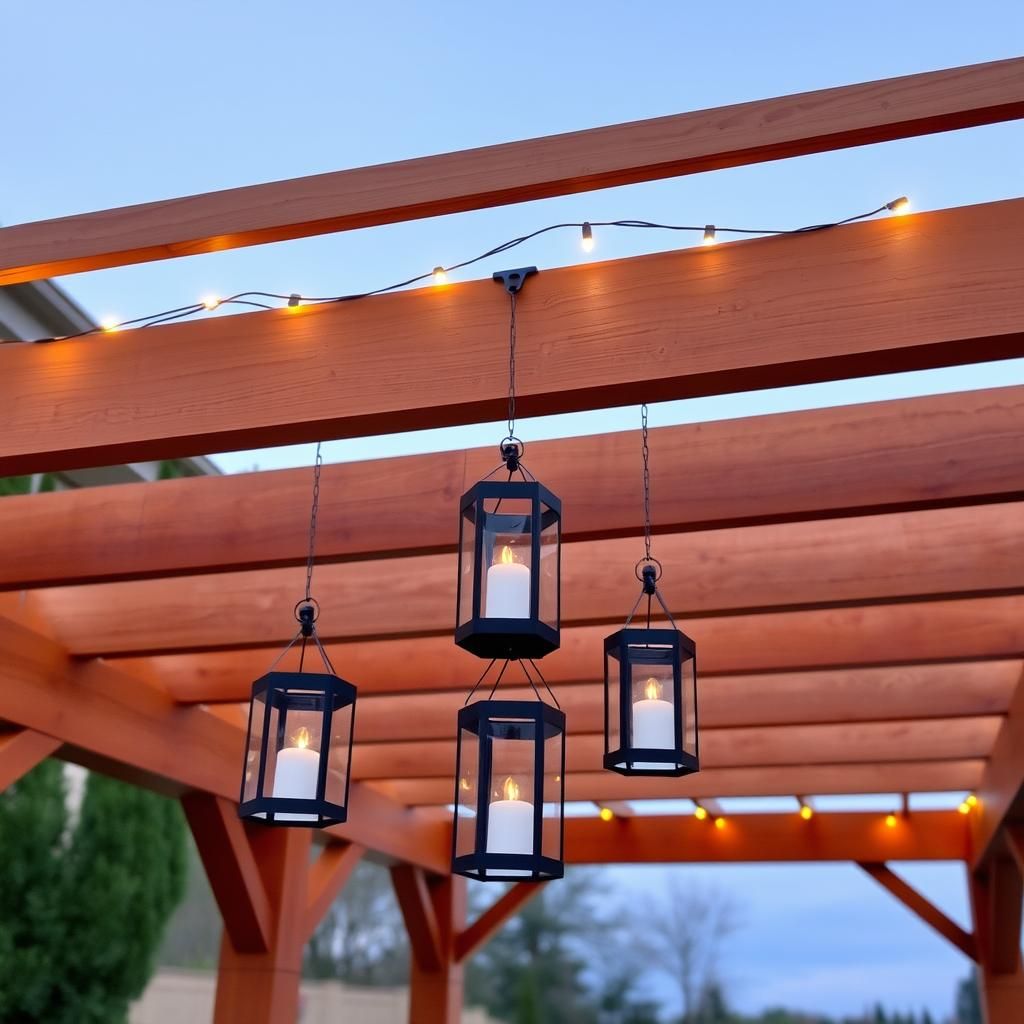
[
  {"x": 968, "y": 1002},
  {"x": 79, "y": 934}
]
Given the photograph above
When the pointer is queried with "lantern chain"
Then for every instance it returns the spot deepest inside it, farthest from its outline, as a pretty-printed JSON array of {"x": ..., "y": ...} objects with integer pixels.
[
  {"x": 317, "y": 465},
  {"x": 647, "y": 483},
  {"x": 512, "y": 366}
]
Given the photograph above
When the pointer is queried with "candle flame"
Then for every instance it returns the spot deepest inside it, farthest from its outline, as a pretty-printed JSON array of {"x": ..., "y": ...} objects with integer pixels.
[
  {"x": 506, "y": 556},
  {"x": 511, "y": 788},
  {"x": 652, "y": 691},
  {"x": 301, "y": 738}
]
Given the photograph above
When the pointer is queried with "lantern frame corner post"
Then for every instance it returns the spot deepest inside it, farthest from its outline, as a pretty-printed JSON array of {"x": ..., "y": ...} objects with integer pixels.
[
  {"x": 507, "y": 722},
  {"x": 324, "y": 705},
  {"x": 536, "y": 631},
  {"x": 625, "y": 651}
]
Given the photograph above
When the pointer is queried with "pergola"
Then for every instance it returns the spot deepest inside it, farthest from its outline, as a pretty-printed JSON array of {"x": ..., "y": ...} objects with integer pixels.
[{"x": 854, "y": 577}]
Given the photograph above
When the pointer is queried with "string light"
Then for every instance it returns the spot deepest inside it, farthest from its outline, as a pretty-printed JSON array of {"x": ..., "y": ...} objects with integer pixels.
[
  {"x": 210, "y": 302},
  {"x": 700, "y": 813},
  {"x": 972, "y": 801},
  {"x": 607, "y": 814},
  {"x": 439, "y": 275},
  {"x": 891, "y": 820},
  {"x": 806, "y": 812},
  {"x": 719, "y": 823}
]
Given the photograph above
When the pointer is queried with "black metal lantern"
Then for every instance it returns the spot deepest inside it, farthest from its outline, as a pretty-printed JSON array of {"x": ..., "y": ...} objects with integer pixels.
[
  {"x": 650, "y": 697},
  {"x": 650, "y": 679},
  {"x": 509, "y": 792},
  {"x": 299, "y": 751},
  {"x": 508, "y": 601}
]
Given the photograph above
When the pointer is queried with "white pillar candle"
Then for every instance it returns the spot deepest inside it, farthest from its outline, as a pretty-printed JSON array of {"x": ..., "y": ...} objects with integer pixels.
[
  {"x": 654, "y": 726},
  {"x": 508, "y": 588},
  {"x": 295, "y": 775},
  {"x": 510, "y": 825}
]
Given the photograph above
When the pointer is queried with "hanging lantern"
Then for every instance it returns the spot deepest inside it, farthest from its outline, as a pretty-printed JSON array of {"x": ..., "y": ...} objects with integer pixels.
[
  {"x": 510, "y": 790},
  {"x": 298, "y": 752},
  {"x": 509, "y": 565},
  {"x": 509, "y": 582},
  {"x": 650, "y": 681}
]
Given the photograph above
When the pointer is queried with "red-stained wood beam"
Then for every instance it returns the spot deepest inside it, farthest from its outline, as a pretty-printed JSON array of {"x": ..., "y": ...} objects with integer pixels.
[
  {"x": 328, "y": 875},
  {"x": 124, "y": 725},
  {"x": 743, "y": 133},
  {"x": 480, "y": 932},
  {"x": 891, "y": 456},
  {"x": 996, "y": 913},
  {"x": 234, "y": 875},
  {"x": 824, "y": 779},
  {"x": 412, "y": 889},
  {"x": 20, "y": 751},
  {"x": 1001, "y": 792},
  {"x": 895, "y": 557},
  {"x": 926, "y": 835},
  {"x": 925, "y": 910},
  {"x": 875, "y": 297}
]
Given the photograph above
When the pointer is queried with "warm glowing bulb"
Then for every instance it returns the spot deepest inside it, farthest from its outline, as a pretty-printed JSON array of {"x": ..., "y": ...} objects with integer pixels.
[
  {"x": 440, "y": 275},
  {"x": 210, "y": 302},
  {"x": 652, "y": 691},
  {"x": 899, "y": 206},
  {"x": 964, "y": 808},
  {"x": 719, "y": 822},
  {"x": 891, "y": 820},
  {"x": 709, "y": 234},
  {"x": 806, "y": 812},
  {"x": 700, "y": 813},
  {"x": 109, "y": 324},
  {"x": 607, "y": 814},
  {"x": 301, "y": 738},
  {"x": 511, "y": 789},
  {"x": 507, "y": 558},
  {"x": 587, "y": 241},
  {"x": 972, "y": 801}
]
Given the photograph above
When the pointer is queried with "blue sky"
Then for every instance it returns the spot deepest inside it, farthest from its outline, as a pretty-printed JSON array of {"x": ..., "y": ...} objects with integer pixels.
[{"x": 114, "y": 103}]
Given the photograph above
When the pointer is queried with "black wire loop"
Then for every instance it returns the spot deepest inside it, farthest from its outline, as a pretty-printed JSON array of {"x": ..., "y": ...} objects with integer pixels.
[{"x": 644, "y": 562}]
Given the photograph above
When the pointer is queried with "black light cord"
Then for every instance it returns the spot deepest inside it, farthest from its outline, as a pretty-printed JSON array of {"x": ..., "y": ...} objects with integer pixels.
[{"x": 247, "y": 298}]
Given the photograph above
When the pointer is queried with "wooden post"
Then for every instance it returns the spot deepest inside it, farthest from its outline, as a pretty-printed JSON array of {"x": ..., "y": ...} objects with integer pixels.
[
  {"x": 271, "y": 899},
  {"x": 434, "y": 910},
  {"x": 997, "y": 889}
]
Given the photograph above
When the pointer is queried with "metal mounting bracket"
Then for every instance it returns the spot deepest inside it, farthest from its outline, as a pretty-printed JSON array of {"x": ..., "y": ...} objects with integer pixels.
[{"x": 513, "y": 280}]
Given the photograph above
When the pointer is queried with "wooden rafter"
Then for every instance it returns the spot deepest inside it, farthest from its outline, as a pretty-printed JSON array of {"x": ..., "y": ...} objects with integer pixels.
[
  {"x": 959, "y": 449},
  {"x": 664, "y": 147},
  {"x": 471, "y": 939},
  {"x": 948, "y": 553},
  {"x": 327, "y": 877},
  {"x": 927, "y": 911},
  {"x": 596, "y": 785},
  {"x": 875, "y": 297}
]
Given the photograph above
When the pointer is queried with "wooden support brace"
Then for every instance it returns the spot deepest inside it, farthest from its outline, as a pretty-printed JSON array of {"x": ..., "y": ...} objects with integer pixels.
[
  {"x": 327, "y": 877},
  {"x": 996, "y": 910},
  {"x": 468, "y": 941},
  {"x": 434, "y": 911},
  {"x": 927, "y": 911},
  {"x": 21, "y": 751}
]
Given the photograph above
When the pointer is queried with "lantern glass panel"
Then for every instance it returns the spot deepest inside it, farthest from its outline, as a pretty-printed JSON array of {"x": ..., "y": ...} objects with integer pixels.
[
  {"x": 336, "y": 783},
  {"x": 551, "y": 832},
  {"x": 467, "y": 561},
  {"x": 293, "y": 762},
  {"x": 257, "y": 712},
  {"x": 549, "y": 555},
  {"x": 506, "y": 558},
  {"x": 689, "y": 710},
  {"x": 653, "y": 714},
  {"x": 467, "y": 793},
  {"x": 510, "y": 808}
]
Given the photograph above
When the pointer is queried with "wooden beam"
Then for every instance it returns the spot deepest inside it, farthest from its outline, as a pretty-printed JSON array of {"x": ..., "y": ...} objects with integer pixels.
[
  {"x": 20, "y": 751},
  {"x": 927, "y": 835},
  {"x": 328, "y": 875},
  {"x": 925, "y": 910},
  {"x": 122, "y": 725},
  {"x": 413, "y": 892},
  {"x": 1001, "y": 792},
  {"x": 875, "y": 297},
  {"x": 663, "y": 147},
  {"x": 227, "y": 855},
  {"x": 834, "y": 639},
  {"x": 480, "y": 932},
  {"x": 825, "y": 779},
  {"x": 757, "y": 746},
  {"x": 822, "y": 463},
  {"x": 995, "y": 910},
  {"x": 948, "y": 553}
]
